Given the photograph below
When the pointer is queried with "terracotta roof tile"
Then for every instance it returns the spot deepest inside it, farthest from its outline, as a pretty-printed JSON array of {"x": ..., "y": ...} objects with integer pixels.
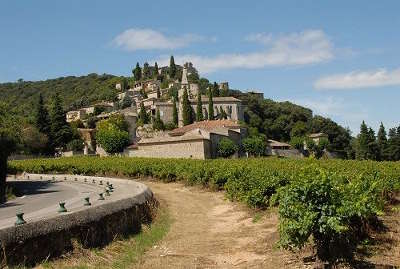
[{"x": 207, "y": 125}]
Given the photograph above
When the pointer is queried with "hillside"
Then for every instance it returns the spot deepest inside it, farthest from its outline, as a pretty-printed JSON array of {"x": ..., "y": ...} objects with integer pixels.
[
  {"x": 74, "y": 91},
  {"x": 277, "y": 120}
]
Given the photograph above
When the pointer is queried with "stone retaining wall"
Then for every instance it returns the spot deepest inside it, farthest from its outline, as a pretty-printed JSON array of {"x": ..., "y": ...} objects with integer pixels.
[{"x": 34, "y": 242}]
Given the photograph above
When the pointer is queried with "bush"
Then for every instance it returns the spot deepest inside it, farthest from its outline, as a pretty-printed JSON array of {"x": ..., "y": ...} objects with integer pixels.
[
  {"x": 112, "y": 134},
  {"x": 327, "y": 207},
  {"x": 254, "y": 146},
  {"x": 297, "y": 142},
  {"x": 226, "y": 147},
  {"x": 75, "y": 145}
]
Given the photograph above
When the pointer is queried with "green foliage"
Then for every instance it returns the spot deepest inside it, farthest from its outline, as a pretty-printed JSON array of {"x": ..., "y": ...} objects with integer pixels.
[
  {"x": 174, "y": 113},
  {"x": 157, "y": 122},
  {"x": 42, "y": 118},
  {"x": 367, "y": 147},
  {"x": 111, "y": 134},
  {"x": 210, "y": 105},
  {"x": 254, "y": 145},
  {"x": 155, "y": 71},
  {"x": 199, "y": 108},
  {"x": 226, "y": 147},
  {"x": 329, "y": 208},
  {"x": 61, "y": 132},
  {"x": 126, "y": 102},
  {"x": 143, "y": 116},
  {"x": 215, "y": 89},
  {"x": 137, "y": 72},
  {"x": 76, "y": 92},
  {"x": 172, "y": 68},
  {"x": 187, "y": 113},
  {"x": 297, "y": 142},
  {"x": 75, "y": 145},
  {"x": 146, "y": 71}
]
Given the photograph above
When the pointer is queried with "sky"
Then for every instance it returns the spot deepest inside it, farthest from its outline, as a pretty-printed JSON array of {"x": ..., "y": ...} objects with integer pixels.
[{"x": 339, "y": 58}]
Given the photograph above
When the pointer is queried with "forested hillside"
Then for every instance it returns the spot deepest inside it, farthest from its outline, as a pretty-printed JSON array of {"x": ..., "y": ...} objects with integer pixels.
[
  {"x": 281, "y": 121},
  {"x": 22, "y": 96}
]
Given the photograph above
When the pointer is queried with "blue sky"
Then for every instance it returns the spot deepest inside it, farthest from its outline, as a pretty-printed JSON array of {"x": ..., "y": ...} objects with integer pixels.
[{"x": 340, "y": 58}]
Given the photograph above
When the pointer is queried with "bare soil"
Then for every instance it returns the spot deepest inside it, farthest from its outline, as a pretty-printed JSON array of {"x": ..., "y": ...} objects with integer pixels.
[{"x": 209, "y": 231}]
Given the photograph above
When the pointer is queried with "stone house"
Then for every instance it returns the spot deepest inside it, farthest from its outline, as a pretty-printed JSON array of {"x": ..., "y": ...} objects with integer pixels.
[{"x": 195, "y": 141}]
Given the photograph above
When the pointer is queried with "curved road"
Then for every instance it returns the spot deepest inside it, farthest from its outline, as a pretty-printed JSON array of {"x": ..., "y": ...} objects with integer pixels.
[{"x": 41, "y": 194}]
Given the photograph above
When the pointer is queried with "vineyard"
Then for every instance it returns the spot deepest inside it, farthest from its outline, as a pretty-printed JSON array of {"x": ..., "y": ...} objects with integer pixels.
[{"x": 334, "y": 202}]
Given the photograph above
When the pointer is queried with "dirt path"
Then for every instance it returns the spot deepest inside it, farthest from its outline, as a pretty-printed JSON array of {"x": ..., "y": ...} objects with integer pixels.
[{"x": 210, "y": 232}]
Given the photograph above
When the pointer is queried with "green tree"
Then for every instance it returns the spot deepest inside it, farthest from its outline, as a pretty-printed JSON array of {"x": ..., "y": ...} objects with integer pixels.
[
  {"x": 186, "y": 109},
  {"x": 111, "y": 137},
  {"x": 126, "y": 101},
  {"x": 226, "y": 147},
  {"x": 61, "y": 132},
  {"x": 210, "y": 104},
  {"x": 199, "y": 108},
  {"x": 146, "y": 71},
  {"x": 297, "y": 142},
  {"x": 254, "y": 146},
  {"x": 215, "y": 89},
  {"x": 155, "y": 73},
  {"x": 363, "y": 141},
  {"x": 174, "y": 113},
  {"x": 158, "y": 92},
  {"x": 143, "y": 117},
  {"x": 42, "y": 119},
  {"x": 299, "y": 129},
  {"x": 394, "y": 144},
  {"x": 158, "y": 124},
  {"x": 172, "y": 68},
  {"x": 382, "y": 143},
  {"x": 8, "y": 141},
  {"x": 137, "y": 72}
]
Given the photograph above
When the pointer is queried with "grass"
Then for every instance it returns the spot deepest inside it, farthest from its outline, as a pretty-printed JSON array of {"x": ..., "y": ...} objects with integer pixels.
[
  {"x": 123, "y": 253},
  {"x": 10, "y": 193}
]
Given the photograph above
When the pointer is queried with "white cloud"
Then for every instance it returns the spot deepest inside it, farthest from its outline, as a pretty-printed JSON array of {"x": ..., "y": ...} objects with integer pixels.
[
  {"x": 359, "y": 79},
  {"x": 148, "y": 39},
  {"x": 304, "y": 48},
  {"x": 345, "y": 113}
]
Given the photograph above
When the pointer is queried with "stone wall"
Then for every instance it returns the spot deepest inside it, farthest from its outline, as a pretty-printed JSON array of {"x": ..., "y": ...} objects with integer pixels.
[
  {"x": 194, "y": 149},
  {"x": 34, "y": 242}
]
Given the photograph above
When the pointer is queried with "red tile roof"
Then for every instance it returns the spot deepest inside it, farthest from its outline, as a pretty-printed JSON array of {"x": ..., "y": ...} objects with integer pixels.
[{"x": 207, "y": 125}]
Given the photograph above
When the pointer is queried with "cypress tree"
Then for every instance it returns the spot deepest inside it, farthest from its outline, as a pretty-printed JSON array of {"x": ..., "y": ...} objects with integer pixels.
[
  {"x": 155, "y": 74},
  {"x": 382, "y": 142},
  {"x": 42, "y": 119},
  {"x": 186, "y": 109},
  {"x": 210, "y": 104},
  {"x": 158, "y": 123},
  {"x": 146, "y": 71},
  {"x": 137, "y": 72},
  {"x": 199, "y": 108},
  {"x": 362, "y": 147},
  {"x": 143, "y": 115},
  {"x": 61, "y": 132},
  {"x": 172, "y": 68},
  {"x": 174, "y": 113},
  {"x": 158, "y": 92},
  {"x": 215, "y": 89}
]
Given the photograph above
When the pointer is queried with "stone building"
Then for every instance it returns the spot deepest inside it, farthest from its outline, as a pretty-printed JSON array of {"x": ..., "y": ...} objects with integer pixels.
[{"x": 196, "y": 141}]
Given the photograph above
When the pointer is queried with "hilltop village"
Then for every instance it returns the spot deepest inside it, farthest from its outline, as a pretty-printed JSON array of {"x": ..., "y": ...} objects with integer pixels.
[{"x": 176, "y": 119}]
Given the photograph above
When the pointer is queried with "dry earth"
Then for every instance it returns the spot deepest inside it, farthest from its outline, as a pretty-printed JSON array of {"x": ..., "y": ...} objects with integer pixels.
[{"x": 211, "y": 232}]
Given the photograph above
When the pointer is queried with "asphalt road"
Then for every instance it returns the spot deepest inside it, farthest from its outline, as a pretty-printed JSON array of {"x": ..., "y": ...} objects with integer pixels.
[{"x": 39, "y": 198}]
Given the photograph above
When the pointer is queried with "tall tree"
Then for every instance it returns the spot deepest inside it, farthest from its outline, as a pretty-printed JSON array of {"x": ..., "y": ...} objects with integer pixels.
[
  {"x": 42, "y": 119},
  {"x": 137, "y": 72},
  {"x": 158, "y": 124},
  {"x": 382, "y": 142},
  {"x": 155, "y": 73},
  {"x": 186, "y": 108},
  {"x": 215, "y": 89},
  {"x": 146, "y": 71},
  {"x": 174, "y": 112},
  {"x": 61, "y": 132},
  {"x": 363, "y": 140},
  {"x": 143, "y": 117},
  {"x": 393, "y": 150},
  {"x": 210, "y": 104},
  {"x": 199, "y": 108},
  {"x": 172, "y": 67}
]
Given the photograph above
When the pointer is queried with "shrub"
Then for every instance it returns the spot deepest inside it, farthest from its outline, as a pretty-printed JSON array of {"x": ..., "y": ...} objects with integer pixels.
[
  {"x": 254, "y": 146},
  {"x": 111, "y": 134},
  {"x": 226, "y": 147},
  {"x": 75, "y": 145}
]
